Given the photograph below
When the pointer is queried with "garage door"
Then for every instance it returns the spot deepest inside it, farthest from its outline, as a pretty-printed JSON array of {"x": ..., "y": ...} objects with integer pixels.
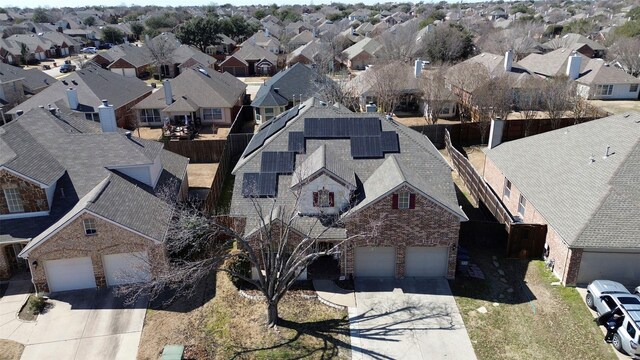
[
  {"x": 126, "y": 268},
  {"x": 620, "y": 267},
  {"x": 70, "y": 274},
  {"x": 426, "y": 261},
  {"x": 375, "y": 262}
]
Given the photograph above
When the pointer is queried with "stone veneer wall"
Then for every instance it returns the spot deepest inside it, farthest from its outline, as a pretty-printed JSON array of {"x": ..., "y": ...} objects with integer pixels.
[
  {"x": 428, "y": 224},
  {"x": 566, "y": 260},
  {"x": 71, "y": 242},
  {"x": 34, "y": 198}
]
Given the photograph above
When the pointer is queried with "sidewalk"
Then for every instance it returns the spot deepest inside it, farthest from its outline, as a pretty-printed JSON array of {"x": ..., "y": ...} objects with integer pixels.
[
  {"x": 330, "y": 293},
  {"x": 11, "y": 327}
]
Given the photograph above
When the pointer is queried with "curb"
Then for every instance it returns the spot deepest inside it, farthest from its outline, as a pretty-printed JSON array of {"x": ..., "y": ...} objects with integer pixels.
[{"x": 330, "y": 304}]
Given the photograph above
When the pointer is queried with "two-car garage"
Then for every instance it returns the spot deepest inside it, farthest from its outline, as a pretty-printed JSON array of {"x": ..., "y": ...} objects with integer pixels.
[
  {"x": 78, "y": 273},
  {"x": 620, "y": 267},
  {"x": 420, "y": 261}
]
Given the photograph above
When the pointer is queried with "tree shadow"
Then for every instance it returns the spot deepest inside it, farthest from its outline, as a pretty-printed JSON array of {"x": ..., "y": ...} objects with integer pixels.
[
  {"x": 177, "y": 300},
  {"x": 383, "y": 322}
]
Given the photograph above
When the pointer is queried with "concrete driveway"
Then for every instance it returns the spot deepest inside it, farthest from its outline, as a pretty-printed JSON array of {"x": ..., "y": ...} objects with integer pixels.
[
  {"x": 407, "y": 319},
  {"x": 86, "y": 324}
]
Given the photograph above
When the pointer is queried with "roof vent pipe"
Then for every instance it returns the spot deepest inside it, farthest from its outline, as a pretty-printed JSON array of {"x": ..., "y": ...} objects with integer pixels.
[
  {"x": 607, "y": 152},
  {"x": 508, "y": 60},
  {"x": 168, "y": 94}
]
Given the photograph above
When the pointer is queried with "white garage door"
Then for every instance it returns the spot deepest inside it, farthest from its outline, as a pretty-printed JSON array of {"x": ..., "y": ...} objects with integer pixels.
[
  {"x": 127, "y": 72},
  {"x": 126, "y": 268},
  {"x": 70, "y": 274},
  {"x": 620, "y": 267},
  {"x": 425, "y": 261},
  {"x": 375, "y": 262}
]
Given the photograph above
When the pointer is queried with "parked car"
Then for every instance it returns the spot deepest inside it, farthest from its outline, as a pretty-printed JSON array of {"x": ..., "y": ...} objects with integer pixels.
[
  {"x": 89, "y": 50},
  {"x": 627, "y": 337},
  {"x": 599, "y": 288},
  {"x": 637, "y": 290},
  {"x": 64, "y": 68}
]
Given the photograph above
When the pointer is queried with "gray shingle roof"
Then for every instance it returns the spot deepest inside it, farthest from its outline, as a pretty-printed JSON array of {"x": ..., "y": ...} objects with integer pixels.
[
  {"x": 193, "y": 88},
  {"x": 323, "y": 160},
  {"x": 589, "y": 204},
  {"x": 418, "y": 157},
  {"x": 367, "y": 45},
  {"x": 88, "y": 160},
  {"x": 33, "y": 80},
  {"x": 93, "y": 85},
  {"x": 297, "y": 80}
]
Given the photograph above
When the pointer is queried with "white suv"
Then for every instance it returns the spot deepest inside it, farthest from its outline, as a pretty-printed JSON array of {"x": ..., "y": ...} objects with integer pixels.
[{"x": 627, "y": 337}]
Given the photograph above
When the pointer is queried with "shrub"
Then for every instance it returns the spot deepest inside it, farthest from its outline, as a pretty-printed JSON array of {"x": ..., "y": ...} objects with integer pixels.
[
  {"x": 239, "y": 265},
  {"x": 36, "y": 304}
]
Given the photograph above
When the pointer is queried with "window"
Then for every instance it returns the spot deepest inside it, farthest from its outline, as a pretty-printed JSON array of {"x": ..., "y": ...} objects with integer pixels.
[
  {"x": 507, "y": 188},
  {"x": 92, "y": 116},
  {"x": 403, "y": 200},
  {"x": 522, "y": 203},
  {"x": 604, "y": 89},
  {"x": 323, "y": 198},
  {"x": 150, "y": 116},
  {"x": 14, "y": 200},
  {"x": 633, "y": 87},
  {"x": 212, "y": 114},
  {"x": 258, "y": 117},
  {"x": 268, "y": 113},
  {"x": 89, "y": 226},
  {"x": 631, "y": 330},
  {"x": 444, "y": 110}
]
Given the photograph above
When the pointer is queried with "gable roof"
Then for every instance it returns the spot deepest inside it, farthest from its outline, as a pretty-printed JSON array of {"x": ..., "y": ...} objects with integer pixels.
[
  {"x": 134, "y": 55},
  {"x": 195, "y": 88},
  {"x": 555, "y": 174},
  {"x": 574, "y": 41},
  {"x": 417, "y": 156},
  {"x": 93, "y": 85},
  {"x": 598, "y": 72},
  {"x": 367, "y": 45},
  {"x": 323, "y": 160},
  {"x": 553, "y": 63},
  {"x": 250, "y": 52},
  {"x": 80, "y": 160},
  {"x": 33, "y": 80},
  {"x": 298, "y": 80}
]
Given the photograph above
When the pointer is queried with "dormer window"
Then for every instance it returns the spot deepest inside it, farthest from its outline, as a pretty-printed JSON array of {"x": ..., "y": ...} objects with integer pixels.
[
  {"x": 90, "y": 227},
  {"x": 323, "y": 198},
  {"x": 14, "y": 200}
]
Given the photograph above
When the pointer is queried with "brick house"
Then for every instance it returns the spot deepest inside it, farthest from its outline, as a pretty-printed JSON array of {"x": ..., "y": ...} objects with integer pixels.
[
  {"x": 323, "y": 162},
  {"x": 360, "y": 54},
  {"x": 83, "y": 91},
  {"x": 581, "y": 182},
  {"x": 79, "y": 206}
]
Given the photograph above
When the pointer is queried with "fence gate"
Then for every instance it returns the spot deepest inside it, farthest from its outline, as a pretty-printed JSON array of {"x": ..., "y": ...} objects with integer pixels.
[{"x": 526, "y": 240}]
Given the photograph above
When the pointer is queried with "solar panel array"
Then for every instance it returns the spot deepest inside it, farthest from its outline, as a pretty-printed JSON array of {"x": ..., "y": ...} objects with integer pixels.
[
  {"x": 279, "y": 162},
  {"x": 368, "y": 141},
  {"x": 269, "y": 128},
  {"x": 259, "y": 184}
]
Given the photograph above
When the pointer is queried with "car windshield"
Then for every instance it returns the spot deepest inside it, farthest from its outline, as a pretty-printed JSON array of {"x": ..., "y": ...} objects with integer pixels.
[{"x": 629, "y": 300}]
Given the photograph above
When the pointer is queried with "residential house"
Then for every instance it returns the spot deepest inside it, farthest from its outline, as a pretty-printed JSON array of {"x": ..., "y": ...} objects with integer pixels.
[
  {"x": 250, "y": 60},
  {"x": 11, "y": 52},
  {"x": 324, "y": 171},
  {"x": 581, "y": 181},
  {"x": 38, "y": 47},
  {"x": 595, "y": 79},
  {"x": 285, "y": 89},
  {"x": 225, "y": 47},
  {"x": 196, "y": 96},
  {"x": 359, "y": 15},
  {"x": 301, "y": 39},
  {"x": 579, "y": 43},
  {"x": 16, "y": 84},
  {"x": 80, "y": 205},
  {"x": 127, "y": 60},
  {"x": 306, "y": 54},
  {"x": 361, "y": 54},
  {"x": 83, "y": 91},
  {"x": 264, "y": 40}
]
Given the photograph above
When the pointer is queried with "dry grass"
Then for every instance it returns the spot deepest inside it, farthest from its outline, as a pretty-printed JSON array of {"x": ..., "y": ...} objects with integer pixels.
[
  {"x": 536, "y": 321},
  {"x": 148, "y": 133},
  {"x": 230, "y": 326},
  {"x": 10, "y": 350},
  {"x": 616, "y": 107},
  {"x": 201, "y": 175}
]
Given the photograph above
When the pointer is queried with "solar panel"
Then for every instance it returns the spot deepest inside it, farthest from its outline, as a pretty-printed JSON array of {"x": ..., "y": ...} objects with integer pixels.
[
  {"x": 389, "y": 142},
  {"x": 297, "y": 142},
  {"x": 256, "y": 141},
  {"x": 365, "y": 127},
  {"x": 259, "y": 184},
  {"x": 366, "y": 147},
  {"x": 280, "y": 162}
]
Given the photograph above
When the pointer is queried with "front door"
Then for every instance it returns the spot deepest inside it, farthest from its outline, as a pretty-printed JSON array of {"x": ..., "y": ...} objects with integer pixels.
[{"x": 11, "y": 252}]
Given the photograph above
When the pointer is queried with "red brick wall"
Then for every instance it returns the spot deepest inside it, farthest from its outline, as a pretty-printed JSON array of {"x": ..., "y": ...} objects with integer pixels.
[
  {"x": 33, "y": 197},
  {"x": 566, "y": 260},
  {"x": 125, "y": 116},
  {"x": 426, "y": 225}
]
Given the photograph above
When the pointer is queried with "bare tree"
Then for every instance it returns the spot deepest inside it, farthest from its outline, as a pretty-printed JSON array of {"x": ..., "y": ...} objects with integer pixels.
[
  {"x": 386, "y": 83},
  {"x": 463, "y": 79},
  {"x": 399, "y": 43},
  {"x": 626, "y": 51},
  {"x": 529, "y": 101},
  {"x": 278, "y": 249},
  {"x": 161, "y": 50},
  {"x": 435, "y": 93},
  {"x": 494, "y": 98},
  {"x": 556, "y": 98}
]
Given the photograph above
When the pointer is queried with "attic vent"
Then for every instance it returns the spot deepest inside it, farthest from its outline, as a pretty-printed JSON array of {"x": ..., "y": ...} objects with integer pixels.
[
  {"x": 65, "y": 82},
  {"x": 74, "y": 82}
]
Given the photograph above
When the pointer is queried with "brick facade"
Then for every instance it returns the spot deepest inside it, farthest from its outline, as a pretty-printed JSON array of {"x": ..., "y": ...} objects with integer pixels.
[
  {"x": 34, "y": 198},
  {"x": 71, "y": 242},
  {"x": 428, "y": 224},
  {"x": 566, "y": 260},
  {"x": 5, "y": 270}
]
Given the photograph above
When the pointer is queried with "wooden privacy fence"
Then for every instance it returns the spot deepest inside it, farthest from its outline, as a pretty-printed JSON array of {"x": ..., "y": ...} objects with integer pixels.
[
  {"x": 469, "y": 133},
  {"x": 198, "y": 151},
  {"x": 524, "y": 240}
]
